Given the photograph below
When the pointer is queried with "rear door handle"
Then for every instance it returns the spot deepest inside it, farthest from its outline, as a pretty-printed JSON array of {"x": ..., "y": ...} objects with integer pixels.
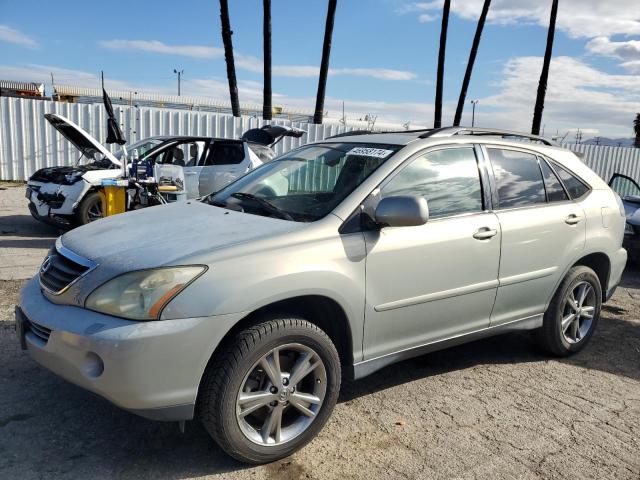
[
  {"x": 485, "y": 233},
  {"x": 572, "y": 219}
]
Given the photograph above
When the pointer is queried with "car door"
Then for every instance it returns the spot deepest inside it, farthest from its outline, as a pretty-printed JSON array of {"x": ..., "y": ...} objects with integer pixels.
[
  {"x": 543, "y": 231},
  {"x": 225, "y": 161},
  {"x": 624, "y": 186},
  {"x": 438, "y": 280}
]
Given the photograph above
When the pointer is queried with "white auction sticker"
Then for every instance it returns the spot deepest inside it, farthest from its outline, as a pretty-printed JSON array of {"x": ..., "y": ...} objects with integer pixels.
[{"x": 370, "y": 152}]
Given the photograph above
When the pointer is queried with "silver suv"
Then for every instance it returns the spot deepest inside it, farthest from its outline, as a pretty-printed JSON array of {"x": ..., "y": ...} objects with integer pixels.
[{"x": 246, "y": 309}]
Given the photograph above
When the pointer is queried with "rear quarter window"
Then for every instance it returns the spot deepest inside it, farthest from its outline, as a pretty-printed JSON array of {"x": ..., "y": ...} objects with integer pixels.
[{"x": 576, "y": 187}]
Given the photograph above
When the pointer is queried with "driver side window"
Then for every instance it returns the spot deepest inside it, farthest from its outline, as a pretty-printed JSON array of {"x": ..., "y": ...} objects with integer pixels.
[{"x": 448, "y": 179}]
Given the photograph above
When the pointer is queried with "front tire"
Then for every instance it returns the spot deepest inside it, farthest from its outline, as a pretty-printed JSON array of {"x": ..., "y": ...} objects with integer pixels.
[
  {"x": 90, "y": 209},
  {"x": 271, "y": 390},
  {"x": 573, "y": 313}
]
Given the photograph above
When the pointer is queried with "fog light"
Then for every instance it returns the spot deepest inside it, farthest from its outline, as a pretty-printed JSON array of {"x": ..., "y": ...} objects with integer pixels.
[{"x": 93, "y": 365}]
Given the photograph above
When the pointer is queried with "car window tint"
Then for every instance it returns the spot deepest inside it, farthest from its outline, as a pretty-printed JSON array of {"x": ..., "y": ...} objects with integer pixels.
[
  {"x": 448, "y": 179},
  {"x": 555, "y": 192},
  {"x": 225, "y": 153},
  {"x": 574, "y": 186},
  {"x": 518, "y": 178},
  {"x": 624, "y": 186}
]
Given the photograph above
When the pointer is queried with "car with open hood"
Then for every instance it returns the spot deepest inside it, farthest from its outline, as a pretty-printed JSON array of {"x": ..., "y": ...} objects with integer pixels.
[
  {"x": 629, "y": 191},
  {"x": 67, "y": 196},
  {"x": 247, "y": 308}
]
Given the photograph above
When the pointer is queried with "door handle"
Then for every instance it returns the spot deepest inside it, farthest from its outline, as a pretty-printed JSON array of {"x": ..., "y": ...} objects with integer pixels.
[
  {"x": 485, "y": 233},
  {"x": 572, "y": 219}
]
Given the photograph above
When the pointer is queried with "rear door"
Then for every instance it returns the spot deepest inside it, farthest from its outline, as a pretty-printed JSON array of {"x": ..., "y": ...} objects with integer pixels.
[
  {"x": 224, "y": 161},
  {"x": 542, "y": 230}
]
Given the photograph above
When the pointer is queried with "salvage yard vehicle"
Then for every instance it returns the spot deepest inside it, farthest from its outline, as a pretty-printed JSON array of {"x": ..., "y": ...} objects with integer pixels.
[
  {"x": 629, "y": 190},
  {"x": 245, "y": 309},
  {"x": 68, "y": 196}
]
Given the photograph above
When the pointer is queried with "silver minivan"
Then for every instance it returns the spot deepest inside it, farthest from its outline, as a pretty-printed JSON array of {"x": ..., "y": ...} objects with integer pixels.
[{"x": 247, "y": 308}]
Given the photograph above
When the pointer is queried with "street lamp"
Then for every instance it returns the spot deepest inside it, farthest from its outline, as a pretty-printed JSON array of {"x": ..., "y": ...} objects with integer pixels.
[
  {"x": 473, "y": 112},
  {"x": 180, "y": 73}
]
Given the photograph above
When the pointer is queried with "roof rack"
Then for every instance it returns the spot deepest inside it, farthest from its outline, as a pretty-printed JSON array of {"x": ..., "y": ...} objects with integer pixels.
[
  {"x": 451, "y": 131},
  {"x": 377, "y": 132}
]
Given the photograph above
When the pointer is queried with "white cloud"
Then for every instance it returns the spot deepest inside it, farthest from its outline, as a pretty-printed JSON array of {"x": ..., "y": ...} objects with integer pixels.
[
  {"x": 251, "y": 63},
  {"x": 628, "y": 50},
  {"x": 578, "y": 18},
  {"x": 578, "y": 96},
  {"x": 155, "y": 46},
  {"x": 11, "y": 35},
  {"x": 426, "y": 17}
]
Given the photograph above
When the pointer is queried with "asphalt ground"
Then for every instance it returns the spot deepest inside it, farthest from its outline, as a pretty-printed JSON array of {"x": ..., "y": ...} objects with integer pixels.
[{"x": 497, "y": 408}]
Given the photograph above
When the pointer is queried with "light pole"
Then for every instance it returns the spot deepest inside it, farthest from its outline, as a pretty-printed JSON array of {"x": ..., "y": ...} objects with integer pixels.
[
  {"x": 180, "y": 73},
  {"x": 473, "y": 112}
]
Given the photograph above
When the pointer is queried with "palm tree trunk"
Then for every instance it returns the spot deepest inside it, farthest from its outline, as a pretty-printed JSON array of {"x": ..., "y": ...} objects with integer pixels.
[
  {"x": 472, "y": 59},
  {"x": 324, "y": 65},
  {"x": 636, "y": 129},
  {"x": 437, "y": 122},
  {"x": 267, "y": 110},
  {"x": 544, "y": 75},
  {"x": 228, "y": 56}
]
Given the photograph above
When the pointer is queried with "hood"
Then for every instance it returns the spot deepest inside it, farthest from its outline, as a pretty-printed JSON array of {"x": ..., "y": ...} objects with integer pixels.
[
  {"x": 67, "y": 175},
  {"x": 80, "y": 139},
  {"x": 173, "y": 234}
]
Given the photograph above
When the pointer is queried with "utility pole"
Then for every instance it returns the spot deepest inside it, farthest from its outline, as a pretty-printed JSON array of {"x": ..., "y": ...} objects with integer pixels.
[
  {"x": 578, "y": 137},
  {"x": 473, "y": 112},
  {"x": 597, "y": 140},
  {"x": 180, "y": 73}
]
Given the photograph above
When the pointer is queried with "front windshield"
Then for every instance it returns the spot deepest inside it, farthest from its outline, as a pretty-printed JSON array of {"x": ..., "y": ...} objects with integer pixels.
[{"x": 305, "y": 184}]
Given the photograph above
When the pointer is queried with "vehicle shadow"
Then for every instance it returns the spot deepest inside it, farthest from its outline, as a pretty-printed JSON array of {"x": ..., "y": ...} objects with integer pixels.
[{"x": 26, "y": 226}]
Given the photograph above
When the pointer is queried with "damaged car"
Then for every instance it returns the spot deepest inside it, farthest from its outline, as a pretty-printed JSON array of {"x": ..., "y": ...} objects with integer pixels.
[{"x": 68, "y": 196}]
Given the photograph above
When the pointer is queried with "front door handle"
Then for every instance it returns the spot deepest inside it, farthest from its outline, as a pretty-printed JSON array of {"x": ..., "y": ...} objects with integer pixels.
[
  {"x": 485, "y": 233},
  {"x": 572, "y": 219}
]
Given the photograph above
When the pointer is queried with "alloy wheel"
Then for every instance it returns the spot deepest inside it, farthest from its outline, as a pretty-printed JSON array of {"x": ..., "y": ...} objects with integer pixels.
[
  {"x": 94, "y": 212},
  {"x": 281, "y": 395},
  {"x": 578, "y": 312}
]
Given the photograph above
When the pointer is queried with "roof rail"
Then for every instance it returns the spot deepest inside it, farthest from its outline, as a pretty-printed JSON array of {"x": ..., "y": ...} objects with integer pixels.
[
  {"x": 378, "y": 132},
  {"x": 451, "y": 131}
]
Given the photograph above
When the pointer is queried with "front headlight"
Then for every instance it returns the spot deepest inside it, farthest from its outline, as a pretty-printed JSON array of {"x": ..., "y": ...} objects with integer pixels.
[
  {"x": 141, "y": 295},
  {"x": 628, "y": 229}
]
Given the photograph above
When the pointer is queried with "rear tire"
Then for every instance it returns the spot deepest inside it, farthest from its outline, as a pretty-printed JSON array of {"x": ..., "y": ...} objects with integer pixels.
[
  {"x": 270, "y": 390},
  {"x": 573, "y": 313},
  {"x": 90, "y": 209}
]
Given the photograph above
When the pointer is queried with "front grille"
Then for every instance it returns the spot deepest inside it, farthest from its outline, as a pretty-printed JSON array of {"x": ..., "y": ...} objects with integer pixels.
[
  {"x": 39, "y": 331},
  {"x": 59, "y": 271}
]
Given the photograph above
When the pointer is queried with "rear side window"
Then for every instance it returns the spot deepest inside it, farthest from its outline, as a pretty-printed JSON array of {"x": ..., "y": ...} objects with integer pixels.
[
  {"x": 448, "y": 179},
  {"x": 555, "y": 192},
  {"x": 575, "y": 187},
  {"x": 518, "y": 178},
  {"x": 225, "y": 153}
]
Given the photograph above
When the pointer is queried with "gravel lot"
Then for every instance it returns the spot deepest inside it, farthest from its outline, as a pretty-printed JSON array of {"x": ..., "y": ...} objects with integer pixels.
[{"x": 496, "y": 408}]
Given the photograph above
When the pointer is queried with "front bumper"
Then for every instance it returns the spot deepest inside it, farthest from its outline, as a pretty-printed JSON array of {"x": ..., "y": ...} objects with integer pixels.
[{"x": 151, "y": 368}]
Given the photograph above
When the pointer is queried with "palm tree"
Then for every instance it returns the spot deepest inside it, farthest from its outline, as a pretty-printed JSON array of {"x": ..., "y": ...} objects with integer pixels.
[
  {"x": 324, "y": 65},
  {"x": 267, "y": 109},
  {"x": 437, "y": 122},
  {"x": 228, "y": 56},
  {"x": 544, "y": 75},
  {"x": 636, "y": 128},
  {"x": 472, "y": 59}
]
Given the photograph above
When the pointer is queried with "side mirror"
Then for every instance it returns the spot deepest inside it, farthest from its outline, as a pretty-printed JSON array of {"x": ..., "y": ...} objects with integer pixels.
[{"x": 402, "y": 211}]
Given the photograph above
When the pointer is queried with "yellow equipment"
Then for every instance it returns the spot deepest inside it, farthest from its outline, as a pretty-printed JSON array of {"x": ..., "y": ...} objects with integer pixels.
[{"x": 113, "y": 199}]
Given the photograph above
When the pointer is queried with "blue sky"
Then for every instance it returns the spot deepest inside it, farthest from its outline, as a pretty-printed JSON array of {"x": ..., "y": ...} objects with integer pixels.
[{"x": 383, "y": 58}]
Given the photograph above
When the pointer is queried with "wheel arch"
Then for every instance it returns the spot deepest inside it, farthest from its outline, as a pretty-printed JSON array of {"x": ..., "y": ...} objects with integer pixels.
[{"x": 600, "y": 263}]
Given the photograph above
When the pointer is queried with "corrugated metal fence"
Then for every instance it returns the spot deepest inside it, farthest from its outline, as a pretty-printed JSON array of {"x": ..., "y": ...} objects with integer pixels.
[{"x": 28, "y": 142}]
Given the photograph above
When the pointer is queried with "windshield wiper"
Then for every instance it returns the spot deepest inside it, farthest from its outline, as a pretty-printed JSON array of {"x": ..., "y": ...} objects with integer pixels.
[{"x": 267, "y": 206}]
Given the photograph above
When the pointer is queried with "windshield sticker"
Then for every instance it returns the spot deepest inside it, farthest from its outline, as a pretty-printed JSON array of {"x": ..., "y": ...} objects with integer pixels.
[{"x": 370, "y": 152}]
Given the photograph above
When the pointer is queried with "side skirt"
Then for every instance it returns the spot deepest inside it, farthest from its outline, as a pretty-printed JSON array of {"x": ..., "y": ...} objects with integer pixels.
[{"x": 367, "y": 367}]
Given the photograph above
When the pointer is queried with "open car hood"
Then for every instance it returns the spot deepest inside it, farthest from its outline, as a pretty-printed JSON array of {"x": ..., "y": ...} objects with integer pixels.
[
  {"x": 271, "y": 134},
  {"x": 80, "y": 139}
]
